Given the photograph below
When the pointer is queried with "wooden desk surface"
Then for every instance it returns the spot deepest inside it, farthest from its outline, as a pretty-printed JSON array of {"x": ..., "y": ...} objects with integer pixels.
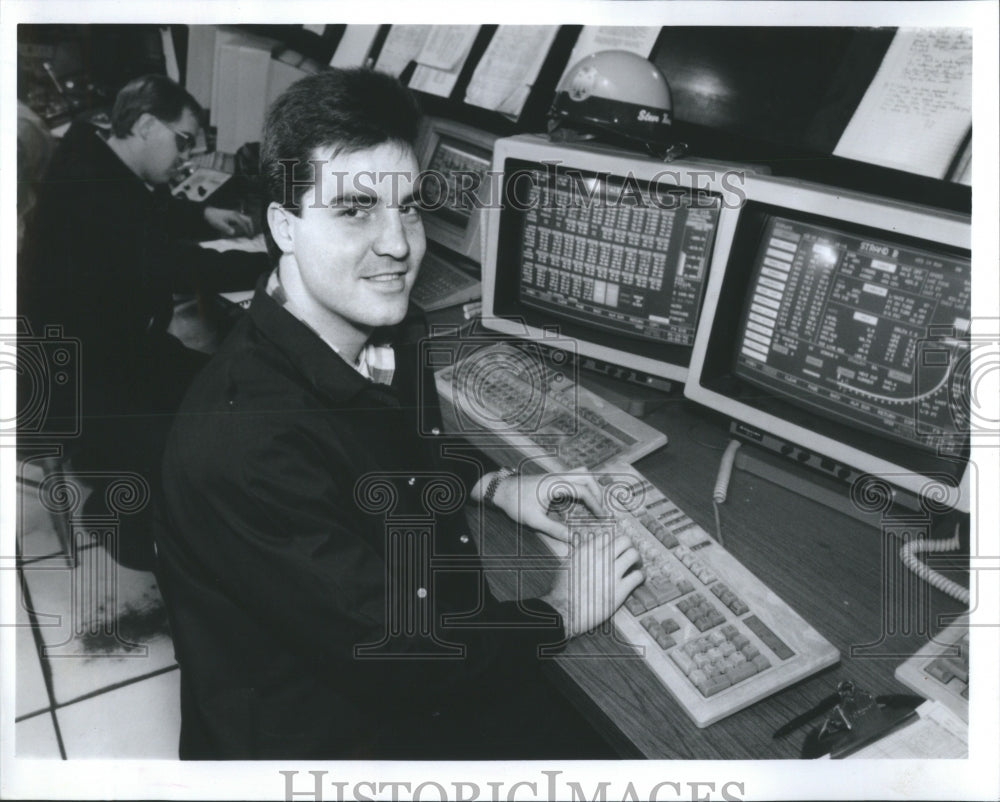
[{"x": 842, "y": 576}]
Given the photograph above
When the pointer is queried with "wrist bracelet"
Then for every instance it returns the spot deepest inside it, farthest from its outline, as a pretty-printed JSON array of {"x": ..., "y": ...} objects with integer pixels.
[{"x": 498, "y": 477}]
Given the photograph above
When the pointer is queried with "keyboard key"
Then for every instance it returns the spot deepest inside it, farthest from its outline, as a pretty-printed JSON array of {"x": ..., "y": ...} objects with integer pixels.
[
  {"x": 739, "y": 607},
  {"x": 713, "y": 685},
  {"x": 683, "y": 661},
  {"x": 741, "y": 672},
  {"x": 957, "y": 666},
  {"x": 939, "y": 671},
  {"x": 664, "y": 591},
  {"x": 646, "y": 597},
  {"x": 634, "y": 606},
  {"x": 672, "y": 518}
]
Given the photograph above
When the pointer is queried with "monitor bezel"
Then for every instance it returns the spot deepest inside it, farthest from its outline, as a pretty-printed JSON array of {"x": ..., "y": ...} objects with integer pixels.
[{"x": 710, "y": 385}]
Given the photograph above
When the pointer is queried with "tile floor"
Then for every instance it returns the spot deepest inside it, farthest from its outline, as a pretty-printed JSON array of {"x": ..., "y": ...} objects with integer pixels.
[{"x": 96, "y": 675}]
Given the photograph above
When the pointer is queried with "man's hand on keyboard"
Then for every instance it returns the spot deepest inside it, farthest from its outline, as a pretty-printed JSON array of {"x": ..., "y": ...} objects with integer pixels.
[
  {"x": 527, "y": 499},
  {"x": 228, "y": 222},
  {"x": 599, "y": 574}
]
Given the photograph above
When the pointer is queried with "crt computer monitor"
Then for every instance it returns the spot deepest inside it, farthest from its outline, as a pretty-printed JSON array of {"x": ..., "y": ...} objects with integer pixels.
[
  {"x": 609, "y": 248},
  {"x": 456, "y": 159},
  {"x": 836, "y": 331}
]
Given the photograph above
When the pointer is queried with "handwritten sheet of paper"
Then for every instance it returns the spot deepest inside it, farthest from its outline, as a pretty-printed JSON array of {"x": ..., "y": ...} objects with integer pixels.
[
  {"x": 594, "y": 38},
  {"x": 402, "y": 46},
  {"x": 434, "y": 81},
  {"x": 504, "y": 76},
  {"x": 918, "y": 107},
  {"x": 447, "y": 45},
  {"x": 354, "y": 46}
]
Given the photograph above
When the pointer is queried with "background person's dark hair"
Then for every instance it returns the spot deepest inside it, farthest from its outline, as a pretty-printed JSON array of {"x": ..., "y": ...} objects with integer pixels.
[
  {"x": 153, "y": 94},
  {"x": 348, "y": 110}
]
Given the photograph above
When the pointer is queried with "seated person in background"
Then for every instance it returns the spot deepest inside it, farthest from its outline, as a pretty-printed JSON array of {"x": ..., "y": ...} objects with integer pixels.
[
  {"x": 104, "y": 254},
  {"x": 34, "y": 149},
  {"x": 274, "y": 570}
]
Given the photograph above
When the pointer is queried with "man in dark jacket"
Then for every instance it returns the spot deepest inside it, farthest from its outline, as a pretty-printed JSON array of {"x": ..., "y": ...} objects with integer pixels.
[
  {"x": 107, "y": 249},
  {"x": 324, "y": 593}
]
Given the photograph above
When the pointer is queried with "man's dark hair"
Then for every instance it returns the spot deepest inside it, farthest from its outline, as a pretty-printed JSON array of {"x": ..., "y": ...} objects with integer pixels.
[
  {"x": 152, "y": 94},
  {"x": 347, "y": 110}
]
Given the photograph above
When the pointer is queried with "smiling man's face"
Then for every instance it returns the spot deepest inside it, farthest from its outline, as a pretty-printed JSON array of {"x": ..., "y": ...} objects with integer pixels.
[{"x": 351, "y": 254}]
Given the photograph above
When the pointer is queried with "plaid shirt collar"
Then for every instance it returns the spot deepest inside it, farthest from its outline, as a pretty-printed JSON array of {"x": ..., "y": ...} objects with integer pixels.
[{"x": 375, "y": 362}]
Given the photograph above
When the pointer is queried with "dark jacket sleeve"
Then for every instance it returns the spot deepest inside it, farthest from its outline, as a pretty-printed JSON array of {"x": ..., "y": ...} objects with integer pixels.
[
  {"x": 193, "y": 268},
  {"x": 186, "y": 219}
]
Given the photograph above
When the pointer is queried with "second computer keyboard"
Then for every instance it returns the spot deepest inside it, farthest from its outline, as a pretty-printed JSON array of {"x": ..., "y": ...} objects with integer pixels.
[
  {"x": 940, "y": 669},
  {"x": 441, "y": 284},
  {"x": 528, "y": 399},
  {"x": 713, "y": 633}
]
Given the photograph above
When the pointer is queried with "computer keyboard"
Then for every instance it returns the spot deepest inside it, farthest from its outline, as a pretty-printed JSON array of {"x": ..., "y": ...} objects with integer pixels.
[
  {"x": 441, "y": 284},
  {"x": 713, "y": 633},
  {"x": 940, "y": 670},
  {"x": 530, "y": 402}
]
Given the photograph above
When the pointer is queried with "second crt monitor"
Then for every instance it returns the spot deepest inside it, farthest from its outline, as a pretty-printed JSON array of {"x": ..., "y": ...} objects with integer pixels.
[
  {"x": 836, "y": 332},
  {"x": 456, "y": 160}
]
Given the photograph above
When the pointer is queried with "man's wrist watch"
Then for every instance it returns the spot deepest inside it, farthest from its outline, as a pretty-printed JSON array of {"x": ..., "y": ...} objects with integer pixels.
[{"x": 498, "y": 477}]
